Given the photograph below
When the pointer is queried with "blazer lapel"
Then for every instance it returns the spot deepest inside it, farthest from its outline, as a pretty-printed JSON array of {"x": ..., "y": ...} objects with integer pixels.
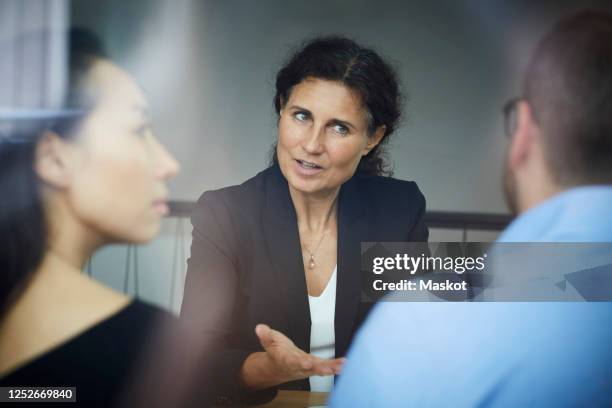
[
  {"x": 352, "y": 226},
  {"x": 284, "y": 250}
]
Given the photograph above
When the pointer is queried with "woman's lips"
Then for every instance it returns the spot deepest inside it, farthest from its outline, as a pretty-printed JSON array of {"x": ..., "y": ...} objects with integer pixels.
[
  {"x": 306, "y": 168},
  {"x": 161, "y": 207}
]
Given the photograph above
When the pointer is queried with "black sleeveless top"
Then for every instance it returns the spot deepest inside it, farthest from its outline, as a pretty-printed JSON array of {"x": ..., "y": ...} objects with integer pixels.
[{"x": 98, "y": 362}]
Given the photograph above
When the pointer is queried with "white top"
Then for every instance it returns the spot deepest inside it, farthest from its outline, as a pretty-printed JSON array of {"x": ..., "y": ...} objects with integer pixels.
[{"x": 322, "y": 333}]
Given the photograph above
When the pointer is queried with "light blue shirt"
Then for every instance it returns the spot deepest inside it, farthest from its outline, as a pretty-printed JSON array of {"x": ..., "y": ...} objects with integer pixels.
[
  {"x": 582, "y": 214},
  {"x": 493, "y": 354}
]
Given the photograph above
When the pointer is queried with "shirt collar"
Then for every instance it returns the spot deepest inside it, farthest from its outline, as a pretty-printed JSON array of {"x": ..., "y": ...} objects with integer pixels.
[{"x": 580, "y": 214}]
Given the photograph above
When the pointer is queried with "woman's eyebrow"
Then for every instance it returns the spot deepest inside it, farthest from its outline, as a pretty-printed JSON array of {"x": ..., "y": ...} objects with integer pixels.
[{"x": 297, "y": 107}]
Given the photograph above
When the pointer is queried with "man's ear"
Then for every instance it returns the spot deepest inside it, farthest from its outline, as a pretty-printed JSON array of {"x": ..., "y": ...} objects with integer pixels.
[
  {"x": 375, "y": 139},
  {"x": 53, "y": 160},
  {"x": 524, "y": 137}
]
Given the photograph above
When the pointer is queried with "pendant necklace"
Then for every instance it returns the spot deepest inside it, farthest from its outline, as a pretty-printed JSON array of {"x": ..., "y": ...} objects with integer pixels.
[{"x": 311, "y": 261}]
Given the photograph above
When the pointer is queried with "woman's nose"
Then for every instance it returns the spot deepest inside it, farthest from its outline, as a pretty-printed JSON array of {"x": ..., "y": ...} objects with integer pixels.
[
  {"x": 167, "y": 166},
  {"x": 314, "y": 140},
  {"x": 172, "y": 168}
]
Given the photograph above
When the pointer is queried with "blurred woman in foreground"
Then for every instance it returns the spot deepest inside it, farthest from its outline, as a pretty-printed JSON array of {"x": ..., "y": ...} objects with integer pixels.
[{"x": 72, "y": 181}]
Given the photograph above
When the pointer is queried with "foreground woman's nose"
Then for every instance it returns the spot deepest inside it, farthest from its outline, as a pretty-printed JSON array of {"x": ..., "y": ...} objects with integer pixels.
[{"x": 167, "y": 166}]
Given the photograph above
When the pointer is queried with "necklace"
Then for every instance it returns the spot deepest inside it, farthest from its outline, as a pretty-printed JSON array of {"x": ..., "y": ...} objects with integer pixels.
[{"x": 311, "y": 261}]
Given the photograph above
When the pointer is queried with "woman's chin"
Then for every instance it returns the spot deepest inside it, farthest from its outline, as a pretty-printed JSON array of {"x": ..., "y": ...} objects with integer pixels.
[
  {"x": 305, "y": 186},
  {"x": 143, "y": 234}
]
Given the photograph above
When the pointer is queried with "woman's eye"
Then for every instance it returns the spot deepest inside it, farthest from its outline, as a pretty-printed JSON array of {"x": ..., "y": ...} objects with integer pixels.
[
  {"x": 301, "y": 116},
  {"x": 343, "y": 130},
  {"x": 143, "y": 130}
]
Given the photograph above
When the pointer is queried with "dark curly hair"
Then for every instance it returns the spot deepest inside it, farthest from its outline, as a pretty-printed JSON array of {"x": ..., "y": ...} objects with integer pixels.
[{"x": 360, "y": 69}]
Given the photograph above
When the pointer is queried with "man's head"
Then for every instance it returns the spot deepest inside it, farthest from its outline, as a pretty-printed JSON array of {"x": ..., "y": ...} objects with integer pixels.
[{"x": 561, "y": 135}]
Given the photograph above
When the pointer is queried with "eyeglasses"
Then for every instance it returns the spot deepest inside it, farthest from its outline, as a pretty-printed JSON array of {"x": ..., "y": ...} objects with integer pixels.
[{"x": 511, "y": 115}]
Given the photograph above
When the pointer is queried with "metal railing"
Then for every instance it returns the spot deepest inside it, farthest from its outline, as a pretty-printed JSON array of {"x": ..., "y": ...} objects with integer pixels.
[
  {"x": 433, "y": 219},
  {"x": 181, "y": 211}
]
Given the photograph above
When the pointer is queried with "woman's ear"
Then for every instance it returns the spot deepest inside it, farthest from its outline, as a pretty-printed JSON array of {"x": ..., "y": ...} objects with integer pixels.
[
  {"x": 375, "y": 139},
  {"x": 281, "y": 105},
  {"x": 54, "y": 160}
]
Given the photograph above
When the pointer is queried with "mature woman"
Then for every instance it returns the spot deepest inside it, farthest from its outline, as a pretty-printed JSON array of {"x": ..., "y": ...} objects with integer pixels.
[
  {"x": 283, "y": 248},
  {"x": 72, "y": 180}
]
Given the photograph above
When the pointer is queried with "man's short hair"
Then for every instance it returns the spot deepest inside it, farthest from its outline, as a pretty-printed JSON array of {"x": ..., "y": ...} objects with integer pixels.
[{"x": 569, "y": 86}]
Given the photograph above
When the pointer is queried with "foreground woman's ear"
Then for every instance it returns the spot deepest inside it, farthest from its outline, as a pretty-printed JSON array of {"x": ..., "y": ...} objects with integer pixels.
[{"x": 54, "y": 160}]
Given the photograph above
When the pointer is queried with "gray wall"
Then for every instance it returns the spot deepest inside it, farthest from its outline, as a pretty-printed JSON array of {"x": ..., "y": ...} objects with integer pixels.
[{"x": 208, "y": 68}]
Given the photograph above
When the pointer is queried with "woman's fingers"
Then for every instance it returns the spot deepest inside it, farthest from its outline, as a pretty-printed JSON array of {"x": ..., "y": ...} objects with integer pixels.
[
  {"x": 291, "y": 360},
  {"x": 269, "y": 337},
  {"x": 339, "y": 364},
  {"x": 327, "y": 367},
  {"x": 265, "y": 335},
  {"x": 306, "y": 363},
  {"x": 312, "y": 365}
]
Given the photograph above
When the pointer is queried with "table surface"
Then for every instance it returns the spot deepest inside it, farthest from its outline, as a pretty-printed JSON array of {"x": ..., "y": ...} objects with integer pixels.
[{"x": 294, "y": 399}]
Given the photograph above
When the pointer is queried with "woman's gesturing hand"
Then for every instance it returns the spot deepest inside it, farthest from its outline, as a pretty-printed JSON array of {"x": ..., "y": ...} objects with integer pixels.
[
  {"x": 282, "y": 361},
  {"x": 291, "y": 362}
]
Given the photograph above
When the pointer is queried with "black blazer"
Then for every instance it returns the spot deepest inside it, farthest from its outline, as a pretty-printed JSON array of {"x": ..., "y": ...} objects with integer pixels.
[{"x": 246, "y": 262}]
